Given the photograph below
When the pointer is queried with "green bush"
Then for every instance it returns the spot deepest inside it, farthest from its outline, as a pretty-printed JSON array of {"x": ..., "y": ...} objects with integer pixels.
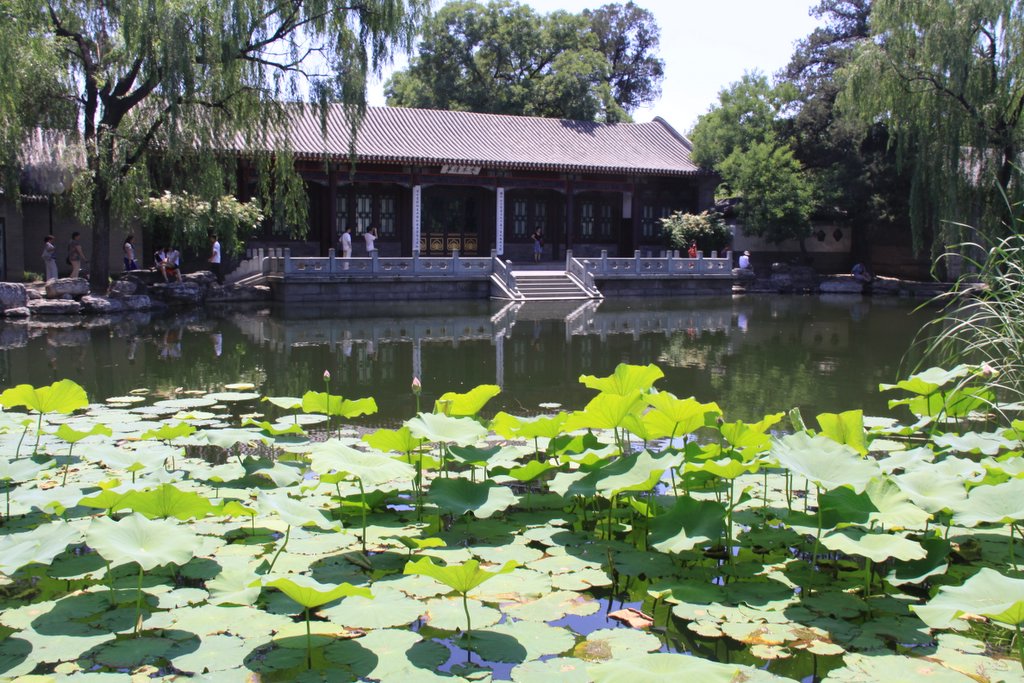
[{"x": 707, "y": 228}]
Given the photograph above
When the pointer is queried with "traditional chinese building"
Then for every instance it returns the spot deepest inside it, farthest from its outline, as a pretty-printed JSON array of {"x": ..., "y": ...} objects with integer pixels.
[{"x": 436, "y": 182}]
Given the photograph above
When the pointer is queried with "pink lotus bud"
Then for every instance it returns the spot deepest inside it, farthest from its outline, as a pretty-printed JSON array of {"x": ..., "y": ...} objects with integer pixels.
[
  {"x": 327, "y": 375},
  {"x": 987, "y": 370},
  {"x": 416, "y": 386}
]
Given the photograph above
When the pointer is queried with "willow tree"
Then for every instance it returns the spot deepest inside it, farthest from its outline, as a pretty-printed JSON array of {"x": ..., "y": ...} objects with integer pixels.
[
  {"x": 947, "y": 77},
  {"x": 156, "y": 91}
]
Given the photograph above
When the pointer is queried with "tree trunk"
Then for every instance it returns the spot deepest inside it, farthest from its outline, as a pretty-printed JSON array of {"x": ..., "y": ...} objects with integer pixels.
[{"x": 99, "y": 272}]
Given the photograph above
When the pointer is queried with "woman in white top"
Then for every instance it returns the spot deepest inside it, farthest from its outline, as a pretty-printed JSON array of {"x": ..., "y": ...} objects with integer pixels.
[{"x": 371, "y": 237}]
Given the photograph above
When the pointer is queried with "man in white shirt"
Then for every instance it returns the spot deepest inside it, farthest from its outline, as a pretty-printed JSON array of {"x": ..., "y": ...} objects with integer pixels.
[
  {"x": 745, "y": 260},
  {"x": 346, "y": 243},
  {"x": 371, "y": 237},
  {"x": 215, "y": 259}
]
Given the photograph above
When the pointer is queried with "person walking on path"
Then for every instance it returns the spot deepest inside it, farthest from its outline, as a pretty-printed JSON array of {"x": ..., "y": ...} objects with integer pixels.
[
  {"x": 75, "y": 254},
  {"x": 215, "y": 259},
  {"x": 538, "y": 245},
  {"x": 371, "y": 238},
  {"x": 49, "y": 259},
  {"x": 128, "y": 250}
]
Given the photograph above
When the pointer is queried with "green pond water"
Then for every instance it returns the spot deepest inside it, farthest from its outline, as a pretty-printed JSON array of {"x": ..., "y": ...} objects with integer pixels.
[{"x": 751, "y": 354}]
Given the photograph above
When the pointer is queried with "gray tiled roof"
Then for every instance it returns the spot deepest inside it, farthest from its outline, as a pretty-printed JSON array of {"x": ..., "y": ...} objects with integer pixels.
[{"x": 427, "y": 136}]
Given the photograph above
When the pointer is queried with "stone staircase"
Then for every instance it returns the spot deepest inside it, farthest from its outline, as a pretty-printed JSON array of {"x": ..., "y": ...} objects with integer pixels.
[{"x": 549, "y": 285}]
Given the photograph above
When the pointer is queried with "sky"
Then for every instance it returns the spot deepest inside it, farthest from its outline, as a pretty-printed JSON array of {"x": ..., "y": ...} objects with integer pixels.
[{"x": 706, "y": 45}]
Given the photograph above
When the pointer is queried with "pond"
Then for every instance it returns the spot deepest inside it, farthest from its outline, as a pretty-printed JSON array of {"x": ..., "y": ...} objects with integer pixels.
[{"x": 751, "y": 354}]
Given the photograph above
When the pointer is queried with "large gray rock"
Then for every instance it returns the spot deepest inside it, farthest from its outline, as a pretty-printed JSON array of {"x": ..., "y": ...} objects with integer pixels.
[
  {"x": 202, "y": 277},
  {"x": 841, "y": 286},
  {"x": 18, "y": 312},
  {"x": 178, "y": 292},
  {"x": 54, "y": 307},
  {"x": 33, "y": 294},
  {"x": 743, "y": 273},
  {"x": 101, "y": 304},
  {"x": 66, "y": 287},
  {"x": 12, "y": 295},
  {"x": 234, "y": 293},
  {"x": 123, "y": 288},
  {"x": 137, "y": 302}
]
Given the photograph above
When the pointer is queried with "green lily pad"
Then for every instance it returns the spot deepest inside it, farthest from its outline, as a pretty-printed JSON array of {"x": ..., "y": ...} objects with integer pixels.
[
  {"x": 447, "y": 614},
  {"x": 616, "y": 643},
  {"x": 520, "y": 641},
  {"x": 552, "y": 606},
  {"x": 134, "y": 538},
  {"x": 389, "y": 607},
  {"x": 460, "y": 496},
  {"x": 892, "y": 669},
  {"x": 874, "y": 546},
  {"x": 462, "y": 431},
  {"x": 562, "y": 669},
  {"x": 690, "y": 523},
  {"x": 40, "y": 545},
  {"x": 823, "y": 461},
  {"x": 988, "y": 593}
]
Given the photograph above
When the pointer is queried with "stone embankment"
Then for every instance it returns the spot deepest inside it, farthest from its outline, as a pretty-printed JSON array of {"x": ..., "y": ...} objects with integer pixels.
[
  {"x": 787, "y": 279},
  {"x": 139, "y": 290}
]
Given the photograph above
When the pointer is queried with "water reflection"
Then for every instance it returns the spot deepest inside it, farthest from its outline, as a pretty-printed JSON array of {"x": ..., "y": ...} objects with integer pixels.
[{"x": 751, "y": 354}]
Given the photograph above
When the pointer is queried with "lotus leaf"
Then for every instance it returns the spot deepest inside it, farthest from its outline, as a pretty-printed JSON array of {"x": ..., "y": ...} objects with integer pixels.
[
  {"x": 929, "y": 381},
  {"x": 66, "y": 433},
  {"x": 21, "y": 470},
  {"x": 396, "y": 440},
  {"x": 461, "y": 578},
  {"x": 750, "y": 438},
  {"x": 40, "y": 545},
  {"x": 521, "y": 641},
  {"x": 541, "y": 426},
  {"x": 605, "y": 411},
  {"x": 916, "y": 571},
  {"x": 1001, "y": 503},
  {"x": 63, "y": 396},
  {"x": 467, "y": 404},
  {"x": 286, "y": 402},
  {"x": 845, "y": 428},
  {"x": 373, "y": 469},
  {"x": 688, "y": 524},
  {"x": 930, "y": 490},
  {"x": 167, "y": 432},
  {"x": 388, "y": 607},
  {"x": 321, "y": 402},
  {"x": 562, "y": 669},
  {"x": 552, "y": 606},
  {"x": 168, "y": 501},
  {"x": 823, "y": 461},
  {"x": 677, "y": 417},
  {"x": 973, "y": 442},
  {"x": 893, "y": 669},
  {"x": 881, "y": 502},
  {"x": 988, "y": 593},
  {"x": 235, "y": 585},
  {"x": 462, "y": 431},
  {"x": 134, "y": 538},
  {"x": 616, "y": 643},
  {"x": 293, "y": 512},
  {"x": 625, "y": 380},
  {"x": 877, "y": 547},
  {"x": 394, "y": 656},
  {"x": 461, "y": 496},
  {"x": 449, "y": 613},
  {"x": 309, "y": 592}
]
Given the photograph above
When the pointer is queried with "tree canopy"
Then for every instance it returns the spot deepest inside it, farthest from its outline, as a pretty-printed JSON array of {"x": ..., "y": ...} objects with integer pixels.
[
  {"x": 953, "y": 98},
  {"x": 153, "y": 91},
  {"x": 740, "y": 137},
  {"x": 505, "y": 58}
]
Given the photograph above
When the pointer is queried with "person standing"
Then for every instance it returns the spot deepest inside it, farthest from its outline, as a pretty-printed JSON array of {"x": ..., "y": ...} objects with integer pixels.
[
  {"x": 128, "y": 249},
  {"x": 215, "y": 259},
  {"x": 692, "y": 251},
  {"x": 49, "y": 258},
  {"x": 371, "y": 238},
  {"x": 346, "y": 243},
  {"x": 75, "y": 254},
  {"x": 538, "y": 245}
]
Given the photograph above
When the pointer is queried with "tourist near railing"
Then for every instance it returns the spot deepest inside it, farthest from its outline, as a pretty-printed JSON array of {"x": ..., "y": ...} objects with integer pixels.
[{"x": 279, "y": 262}]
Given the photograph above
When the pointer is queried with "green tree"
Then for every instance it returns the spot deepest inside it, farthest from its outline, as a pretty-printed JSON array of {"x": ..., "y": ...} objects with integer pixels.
[
  {"x": 504, "y": 58},
  {"x": 740, "y": 138},
  {"x": 708, "y": 229},
  {"x": 851, "y": 163},
  {"x": 947, "y": 78},
  {"x": 153, "y": 89}
]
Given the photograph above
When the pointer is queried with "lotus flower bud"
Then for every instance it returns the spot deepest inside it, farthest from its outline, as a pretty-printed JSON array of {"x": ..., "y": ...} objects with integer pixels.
[
  {"x": 416, "y": 386},
  {"x": 327, "y": 375}
]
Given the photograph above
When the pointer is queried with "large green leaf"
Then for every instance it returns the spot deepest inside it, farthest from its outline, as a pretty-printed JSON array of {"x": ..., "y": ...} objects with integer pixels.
[
  {"x": 320, "y": 402},
  {"x": 67, "y": 433},
  {"x": 169, "y": 501},
  {"x": 931, "y": 490},
  {"x": 929, "y": 381},
  {"x": 462, "y": 431},
  {"x": 823, "y": 461},
  {"x": 688, "y": 524},
  {"x": 846, "y": 428},
  {"x": 40, "y": 545},
  {"x": 293, "y": 512},
  {"x": 637, "y": 472},
  {"x": 881, "y": 502},
  {"x": 310, "y": 593},
  {"x": 673, "y": 416},
  {"x": 64, "y": 396},
  {"x": 373, "y": 469},
  {"x": 459, "y": 577},
  {"x": 663, "y": 666},
  {"x": 605, "y": 411},
  {"x": 625, "y": 380},
  {"x": 542, "y": 426},
  {"x": 398, "y": 440},
  {"x": 136, "y": 539},
  {"x": 988, "y": 594},
  {"x": 1001, "y": 504},
  {"x": 877, "y": 547},
  {"x": 461, "y": 496},
  {"x": 167, "y": 432},
  {"x": 467, "y": 404}
]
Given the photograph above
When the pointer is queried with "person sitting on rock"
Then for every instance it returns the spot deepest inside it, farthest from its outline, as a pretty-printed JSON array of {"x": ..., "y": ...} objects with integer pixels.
[
  {"x": 166, "y": 265},
  {"x": 861, "y": 273}
]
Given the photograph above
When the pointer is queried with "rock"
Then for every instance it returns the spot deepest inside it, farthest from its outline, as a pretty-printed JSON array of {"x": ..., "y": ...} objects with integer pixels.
[
  {"x": 137, "y": 302},
  {"x": 18, "y": 312},
  {"x": 202, "y": 277},
  {"x": 780, "y": 268},
  {"x": 101, "y": 304},
  {"x": 841, "y": 286},
  {"x": 782, "y": 281},
  {"x": 32, "y": 294},
  {"x": 234, "y": 293},
  {"x": 803, "y": 278},
  {"x": 54, "y": 307},
  {"x": 178, "y": 292},
  {"x": 13, "y": 336},
  {"x": 67, "y": 287},
  {"x": 123, "y": 288},
  {"x": 743, "y": 273},
  {"x": 886, "y": 286},
  {"x": 12, "y": 295}
]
